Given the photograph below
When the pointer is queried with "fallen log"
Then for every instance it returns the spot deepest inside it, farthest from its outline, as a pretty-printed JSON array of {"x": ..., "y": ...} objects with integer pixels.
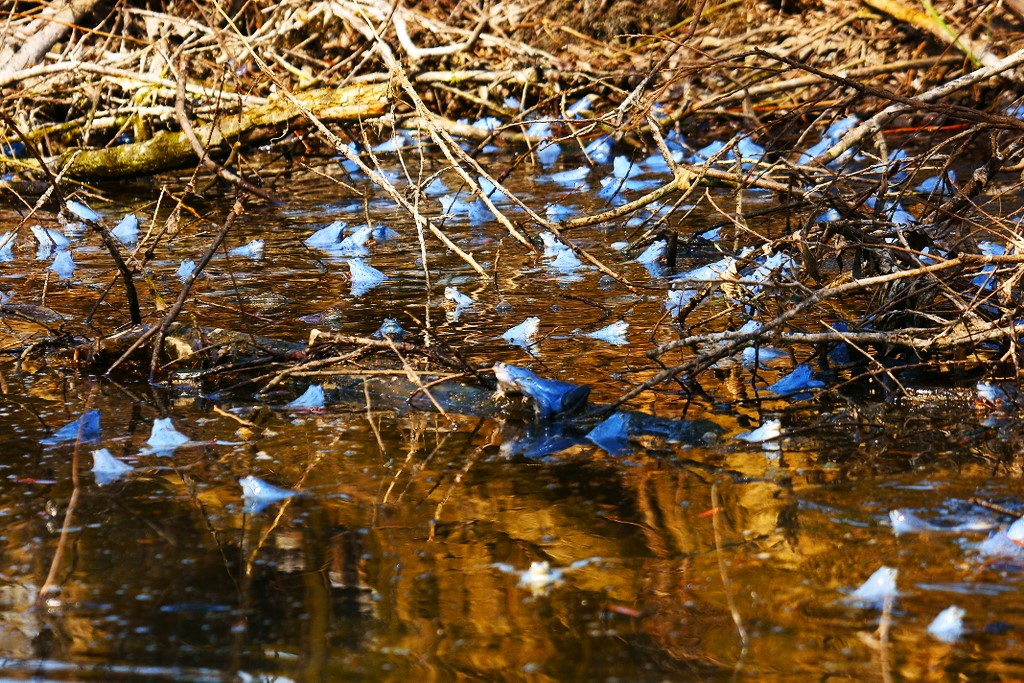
[{"x": 168, "y": 150}]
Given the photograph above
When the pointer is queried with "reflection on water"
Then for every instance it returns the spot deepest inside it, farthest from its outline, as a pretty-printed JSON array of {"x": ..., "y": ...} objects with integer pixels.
[{"x": 408, "y": 551}]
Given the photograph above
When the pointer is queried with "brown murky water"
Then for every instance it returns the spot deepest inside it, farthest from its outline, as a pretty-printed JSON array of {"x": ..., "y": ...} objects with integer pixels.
[{"x": 407, "y": 555}]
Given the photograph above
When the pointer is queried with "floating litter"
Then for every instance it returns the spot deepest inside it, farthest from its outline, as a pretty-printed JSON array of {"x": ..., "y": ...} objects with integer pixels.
[
  {"x": 106, "y": 468},
  {"x": 311, "y": 399}
]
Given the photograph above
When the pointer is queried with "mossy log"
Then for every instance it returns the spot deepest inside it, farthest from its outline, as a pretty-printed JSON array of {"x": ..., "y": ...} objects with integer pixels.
[{"x": 169, "y": 150}]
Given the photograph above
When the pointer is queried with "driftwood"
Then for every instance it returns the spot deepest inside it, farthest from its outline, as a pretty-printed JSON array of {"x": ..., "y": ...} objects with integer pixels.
[{"x": 169, "y": 150}]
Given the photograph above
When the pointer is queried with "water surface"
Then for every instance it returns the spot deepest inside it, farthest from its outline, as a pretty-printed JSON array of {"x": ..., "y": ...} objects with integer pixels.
[{"x": 406, "y": 553}]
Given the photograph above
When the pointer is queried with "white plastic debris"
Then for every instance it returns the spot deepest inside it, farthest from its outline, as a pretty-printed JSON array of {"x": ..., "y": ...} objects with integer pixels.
[
  {"x": 523, "y": 334},
  {"x": 948, "y": 626},
  {"x": 311, "y": 399},
  {"x": 771, "y": 430},
  {"x": 165, "y": 438},
  {"x": 614, "y": 334},
  {"x": 252, "y": 250},
  {"x": 127, "y": 229},
  {"x": 258, "y": 494},
  {"x": 63, "y": 265},
  {"x": 107, "y": 468},
  {"x": 879, "y": 587}
]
